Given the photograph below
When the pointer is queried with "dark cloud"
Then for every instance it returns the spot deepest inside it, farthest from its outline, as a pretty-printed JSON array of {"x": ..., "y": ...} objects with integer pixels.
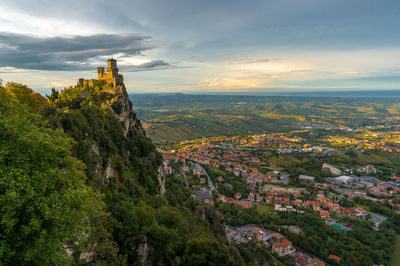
[
  {"x": 71, "y": 53},
  {"x": 152, "y": 65}
]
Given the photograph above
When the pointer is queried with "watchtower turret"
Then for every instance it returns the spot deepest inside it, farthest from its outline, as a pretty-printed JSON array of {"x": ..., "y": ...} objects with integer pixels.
[
  {"x": 112, "y": 66},
  {"x": 100, "y": 73}
]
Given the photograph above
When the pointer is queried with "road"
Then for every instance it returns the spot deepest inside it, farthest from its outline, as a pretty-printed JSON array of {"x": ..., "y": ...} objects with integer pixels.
[
  {"x": 210, "y": 183},
  {"x": 184, "y": 175}
]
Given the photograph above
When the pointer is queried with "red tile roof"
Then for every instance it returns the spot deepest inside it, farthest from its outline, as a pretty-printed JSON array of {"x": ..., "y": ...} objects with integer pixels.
[
  {"x": 283, "y": 244},
  {"x": 324, "y": 213},
  {"x": 334, "y": 257}
]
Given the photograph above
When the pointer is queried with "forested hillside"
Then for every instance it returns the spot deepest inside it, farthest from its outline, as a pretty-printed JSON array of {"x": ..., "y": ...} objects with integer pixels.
[{"x": 79, "y": 184}]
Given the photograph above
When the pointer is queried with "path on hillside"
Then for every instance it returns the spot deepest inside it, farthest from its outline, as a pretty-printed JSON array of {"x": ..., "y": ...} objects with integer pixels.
[
  {"x": 186, "y": 181},
  {"x": 210, "y": 183}
]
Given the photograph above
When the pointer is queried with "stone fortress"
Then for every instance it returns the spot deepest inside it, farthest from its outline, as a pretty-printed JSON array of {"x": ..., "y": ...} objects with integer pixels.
[{"x": 110, "y": 77}]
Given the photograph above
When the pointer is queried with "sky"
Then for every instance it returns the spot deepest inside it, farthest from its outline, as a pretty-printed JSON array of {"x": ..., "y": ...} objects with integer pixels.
[{"x": 204, "y": 46}]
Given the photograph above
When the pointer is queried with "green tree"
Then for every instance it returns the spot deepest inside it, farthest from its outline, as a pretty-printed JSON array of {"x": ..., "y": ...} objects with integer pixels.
[
  {"x": 45, "y": 208},
  {"x": 203, "y": 251}
]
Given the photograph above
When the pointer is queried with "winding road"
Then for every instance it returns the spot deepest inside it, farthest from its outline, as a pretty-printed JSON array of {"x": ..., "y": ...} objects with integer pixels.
[
  {"x": 186, "y": 181},
  {"x": 210, "y": 183}
]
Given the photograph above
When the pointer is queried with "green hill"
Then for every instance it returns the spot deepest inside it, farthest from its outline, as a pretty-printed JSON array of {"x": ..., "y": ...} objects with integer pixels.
[{"x": 79, "y": 184}]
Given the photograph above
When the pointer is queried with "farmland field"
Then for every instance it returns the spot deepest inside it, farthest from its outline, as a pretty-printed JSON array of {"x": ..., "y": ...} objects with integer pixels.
[{"x": 170, "y": 118}]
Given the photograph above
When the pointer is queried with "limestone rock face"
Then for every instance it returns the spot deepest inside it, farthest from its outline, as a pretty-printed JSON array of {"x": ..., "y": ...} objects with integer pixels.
[
  {"x": 121, "y": 107},
  {"x": 95, "y": 155},
  {"x": 142, "y": 249},
  {"x": 161, "y": 180},
  {"x": 109, "y": 172},
  {"x": 103, "y": 174}
]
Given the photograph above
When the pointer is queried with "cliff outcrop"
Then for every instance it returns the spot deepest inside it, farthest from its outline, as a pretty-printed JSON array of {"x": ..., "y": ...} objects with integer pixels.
[
  {"x": 111, "y": 139},
  {"x": 85, "y": 149}
]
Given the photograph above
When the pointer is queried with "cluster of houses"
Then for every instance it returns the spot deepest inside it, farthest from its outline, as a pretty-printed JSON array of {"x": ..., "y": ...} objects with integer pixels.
[
  {"x": 242, "y": 203},
  {"x": 267, "y": 194},
  {"x": 283, "y": 144},
  {"x": 357, "y": 186},
  {"x": 323, "y": 205},
  {"x": 282, "y": 203},
  {"x": 270, "y": 239},
  {"x": 234, "y": 154},
  {"x": 197, "y": 172},
  {"x": 245, "y": 203},
  {"x": 217, "y": 155},
  {"x": 343, "y": 140},
  {"x": 238, "y": 158},
  {"x": 236, "y": 163},
  {"x": 274, "y": 241},
  {"x": 256, "y": 177},
  {"x": 362, "y": 185},
  {"x": 278, "y": 197},
  {"x": 328, "y": 204},
  {"x": 372, "y": 141},
  {"x": 168, "y": 170}
]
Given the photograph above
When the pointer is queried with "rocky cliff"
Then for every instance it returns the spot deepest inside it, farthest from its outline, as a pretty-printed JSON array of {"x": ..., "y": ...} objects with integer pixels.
[
  {"x": 121, "y": 161},
  {"x": 107, "y": 180},
  {"x": 129, "y": 142},
  {"x": 121, "y": 107}
]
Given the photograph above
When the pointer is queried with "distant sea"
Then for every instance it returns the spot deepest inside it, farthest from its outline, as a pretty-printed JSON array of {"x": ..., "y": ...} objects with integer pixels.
[
  {"x": 357, "y": 94},
  {"x": 369, "y": 93}
]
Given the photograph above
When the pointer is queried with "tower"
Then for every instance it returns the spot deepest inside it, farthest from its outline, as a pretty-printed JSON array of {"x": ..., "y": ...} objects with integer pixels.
[
  {"x": 112, "y": 67},
  {"x": 100, "y": 73}
]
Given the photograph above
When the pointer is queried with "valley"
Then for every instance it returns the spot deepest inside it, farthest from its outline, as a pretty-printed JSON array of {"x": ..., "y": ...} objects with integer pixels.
[{"x": 316, "y": 165}]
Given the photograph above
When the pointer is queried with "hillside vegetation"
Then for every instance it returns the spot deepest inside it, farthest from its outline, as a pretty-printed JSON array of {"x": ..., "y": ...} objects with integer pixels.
[{"x": 79, "y": 184}]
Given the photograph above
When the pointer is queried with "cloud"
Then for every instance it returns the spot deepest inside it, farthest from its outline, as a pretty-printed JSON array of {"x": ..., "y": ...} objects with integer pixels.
[
  {"x": 21, "y": 51},
  {"x": 152, "y": 65},
  {"x": 227, "y": 83},
  {"x": 253, "y": 61},
  {"x": 11, "y": 70}
]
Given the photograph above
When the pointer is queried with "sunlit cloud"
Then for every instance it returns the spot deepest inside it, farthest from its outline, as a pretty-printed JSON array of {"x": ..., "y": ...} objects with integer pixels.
[
  {"x": 210, "y": 46},
  {"x": 226, "y": 84},
  {"x": 308, "y": 70}
]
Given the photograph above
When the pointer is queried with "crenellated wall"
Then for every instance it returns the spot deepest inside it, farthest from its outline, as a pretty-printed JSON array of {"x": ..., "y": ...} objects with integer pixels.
[{"x": 111, "y": 76}]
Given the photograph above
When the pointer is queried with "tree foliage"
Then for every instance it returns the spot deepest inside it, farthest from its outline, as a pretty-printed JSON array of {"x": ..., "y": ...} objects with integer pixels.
[{"x": 45, "y": 207}]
